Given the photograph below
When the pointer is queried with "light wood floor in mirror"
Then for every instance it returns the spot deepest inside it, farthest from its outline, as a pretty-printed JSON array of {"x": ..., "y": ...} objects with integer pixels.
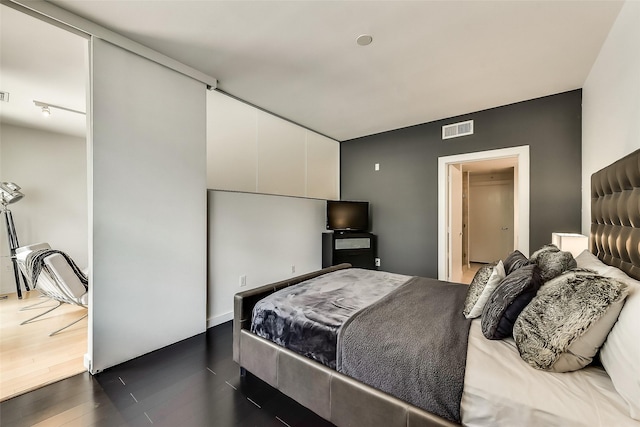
[
  {"x": 469, "y": 271},
  {"x": 29, "y": 357}
]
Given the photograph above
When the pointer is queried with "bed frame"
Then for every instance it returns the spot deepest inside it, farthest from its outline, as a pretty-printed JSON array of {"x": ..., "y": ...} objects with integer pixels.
[
  {"x": 615, "y": 239},
  {"x": 335, "y": 397}
]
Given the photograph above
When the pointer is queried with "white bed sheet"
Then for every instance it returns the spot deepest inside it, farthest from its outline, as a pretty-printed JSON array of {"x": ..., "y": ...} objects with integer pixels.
[{"x": 500, "y": 389}]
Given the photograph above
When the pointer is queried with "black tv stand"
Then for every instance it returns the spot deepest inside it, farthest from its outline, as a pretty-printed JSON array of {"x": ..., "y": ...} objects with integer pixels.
[{"x": 358, "y": 248}]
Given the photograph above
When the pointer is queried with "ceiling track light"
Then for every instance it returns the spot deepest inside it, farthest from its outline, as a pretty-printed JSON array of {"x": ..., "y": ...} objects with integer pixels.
[{"x": 46, "y": 108}]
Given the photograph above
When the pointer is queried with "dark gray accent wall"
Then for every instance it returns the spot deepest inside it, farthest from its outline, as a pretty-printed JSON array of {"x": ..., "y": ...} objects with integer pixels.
[{"x": 404, "y": 192}]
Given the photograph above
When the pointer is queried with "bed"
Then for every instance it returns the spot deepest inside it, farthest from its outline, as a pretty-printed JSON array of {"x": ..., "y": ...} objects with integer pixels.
[{"x": 499, "y": 386}]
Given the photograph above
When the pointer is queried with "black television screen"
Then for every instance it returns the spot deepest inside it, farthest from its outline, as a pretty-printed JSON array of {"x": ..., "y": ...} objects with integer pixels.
[{"x": 345, "y": 215}]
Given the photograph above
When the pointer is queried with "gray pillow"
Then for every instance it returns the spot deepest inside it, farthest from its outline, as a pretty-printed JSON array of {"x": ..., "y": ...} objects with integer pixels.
[
  {"x": 508, "y": 300},
  {"x": 546, "y": 248},
  {"x": 476, "y": 286},
  {"x": 552, "y": 261},
  {"x": 514, "y": 261},
  {"x": 563, "y": 327}
]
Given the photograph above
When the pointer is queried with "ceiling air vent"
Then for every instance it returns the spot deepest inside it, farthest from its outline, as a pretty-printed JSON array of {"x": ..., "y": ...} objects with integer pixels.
[
  {"x": 457, "y": 129},
  {"x": 4, "y": 96}
]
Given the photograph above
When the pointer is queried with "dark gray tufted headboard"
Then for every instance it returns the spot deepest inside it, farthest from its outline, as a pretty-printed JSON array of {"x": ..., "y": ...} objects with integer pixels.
[{"x": 615, "y": 214}]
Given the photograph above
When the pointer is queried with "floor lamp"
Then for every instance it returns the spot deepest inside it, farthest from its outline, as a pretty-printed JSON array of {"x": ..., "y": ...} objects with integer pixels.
[{"x": 10, "y": 193}]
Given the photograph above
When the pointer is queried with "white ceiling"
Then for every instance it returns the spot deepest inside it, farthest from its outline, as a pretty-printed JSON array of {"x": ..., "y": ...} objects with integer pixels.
[
  {"x": 429, "y": 59},
  {"x": 41, "y": 62}
]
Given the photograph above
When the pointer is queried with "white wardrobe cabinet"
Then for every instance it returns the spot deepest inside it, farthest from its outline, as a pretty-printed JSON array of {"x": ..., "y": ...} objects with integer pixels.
[{"x": 253, "y": 151}]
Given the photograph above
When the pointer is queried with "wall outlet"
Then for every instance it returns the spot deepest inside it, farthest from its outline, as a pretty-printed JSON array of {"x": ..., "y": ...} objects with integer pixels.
[
  {"x": 293, "y": 268},
  {"x": 377, "y": 262},
  {"x": 376, "y": 166},
  {"x": 243, "y": 280}
]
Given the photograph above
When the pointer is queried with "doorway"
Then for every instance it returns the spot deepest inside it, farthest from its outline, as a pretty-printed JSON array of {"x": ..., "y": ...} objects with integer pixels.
[
  {"x": 42, "y": 65},
  {"x": 453, "y": 253}
]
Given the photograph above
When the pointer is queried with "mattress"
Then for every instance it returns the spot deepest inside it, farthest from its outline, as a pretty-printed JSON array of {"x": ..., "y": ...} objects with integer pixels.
[
  {"x": 305, "y": 318},
  {"x": 500, "y": 389}
]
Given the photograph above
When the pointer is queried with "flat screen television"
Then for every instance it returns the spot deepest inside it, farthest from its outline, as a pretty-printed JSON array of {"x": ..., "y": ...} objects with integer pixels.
[{"x": 347, "y": 215}]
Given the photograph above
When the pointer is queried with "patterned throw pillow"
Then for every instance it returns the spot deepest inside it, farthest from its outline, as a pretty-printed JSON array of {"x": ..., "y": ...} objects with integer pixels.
[
  {"x": 514, "y": 261},
  {"x": 476, "y": 286},
  {"x": 480, "y": 291},
  {"x": 552, "y": 261},
  {"x": 563, "y": 327},
  {"x": 510, "y": 297},
  {"x": 546, "y": 248}
]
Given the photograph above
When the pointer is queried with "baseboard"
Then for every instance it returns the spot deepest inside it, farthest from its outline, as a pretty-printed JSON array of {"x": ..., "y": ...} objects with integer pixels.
[{"x": 218, "y": 320}]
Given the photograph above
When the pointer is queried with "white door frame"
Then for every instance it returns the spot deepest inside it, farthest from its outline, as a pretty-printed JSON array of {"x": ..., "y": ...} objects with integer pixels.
[
  {"x": 521, "y": 220},
  {"x": 454, "y": 223}
]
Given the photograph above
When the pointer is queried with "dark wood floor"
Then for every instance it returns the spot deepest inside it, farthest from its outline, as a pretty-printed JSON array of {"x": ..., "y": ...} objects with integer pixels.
[{"x": 191, "y": 383}]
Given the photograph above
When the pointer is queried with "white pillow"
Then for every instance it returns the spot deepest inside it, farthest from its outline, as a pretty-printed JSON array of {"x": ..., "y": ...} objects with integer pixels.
[
  {"x": 620, "y": 353},
  {"x": 496, "y": 277},
  {"x": 588, "y": 260}
]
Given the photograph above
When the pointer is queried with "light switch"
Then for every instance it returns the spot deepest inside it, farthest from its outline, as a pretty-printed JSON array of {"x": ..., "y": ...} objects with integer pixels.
[{"x": 377, "y": 166}]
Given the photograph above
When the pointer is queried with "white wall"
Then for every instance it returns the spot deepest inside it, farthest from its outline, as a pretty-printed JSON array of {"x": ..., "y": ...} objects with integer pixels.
[
  {"x": 260, "y": 237},
  {"x": 147, "y": 207},
  {"x": 611, "y": 102},
  {"x": 52, "y": 171}
]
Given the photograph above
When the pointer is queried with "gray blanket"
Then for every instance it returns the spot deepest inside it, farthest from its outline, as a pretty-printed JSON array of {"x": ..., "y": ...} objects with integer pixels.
[
  {"x": 411, "y": 344},
  {"x": 305, "y": 318}
]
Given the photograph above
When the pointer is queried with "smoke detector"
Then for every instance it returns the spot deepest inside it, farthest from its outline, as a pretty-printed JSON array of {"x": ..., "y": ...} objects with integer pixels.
[{"x": 364, "y": 40}]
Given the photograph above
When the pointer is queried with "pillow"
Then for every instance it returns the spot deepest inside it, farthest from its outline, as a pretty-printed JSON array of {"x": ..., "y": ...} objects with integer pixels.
[
  {"x": 588, "y": 260},
  {"x": 620, "y": 354},
  {"x": 508, "y": 300},
  {"x": 480, "y": 292},
  {"x": 566, "y": 323},
  {"x": 476, "y": 286},
  {"x": 514, "y": 261},
  {"x": 546, "y": 248},
  {"x": 552, "y": 261}
]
